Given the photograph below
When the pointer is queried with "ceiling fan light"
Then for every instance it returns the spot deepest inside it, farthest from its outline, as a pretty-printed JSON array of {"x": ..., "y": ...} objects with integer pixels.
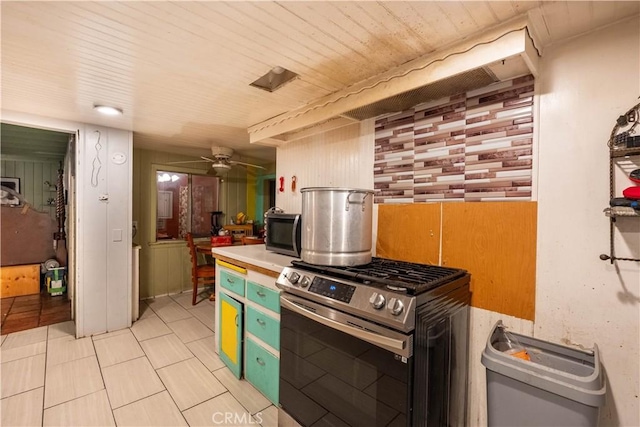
[{"x": 221, "y": 166}]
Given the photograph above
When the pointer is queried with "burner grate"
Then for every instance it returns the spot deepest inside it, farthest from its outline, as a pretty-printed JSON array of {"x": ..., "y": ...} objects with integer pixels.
[{"x": 413, "y": 277}]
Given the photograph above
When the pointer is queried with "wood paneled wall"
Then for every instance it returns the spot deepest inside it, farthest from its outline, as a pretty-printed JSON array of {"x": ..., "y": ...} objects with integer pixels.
[
  {"x": 33, "y": 175},
  {"x": 337, "y": 158},
  {"x": 163, "y": 268},
  {"x": 494, "y": 241}
]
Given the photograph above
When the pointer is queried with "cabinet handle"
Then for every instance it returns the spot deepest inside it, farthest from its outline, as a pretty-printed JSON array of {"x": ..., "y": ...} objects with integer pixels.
[
  {"x": 236, "y": 320},
  {"x": 229, "y": 280},
  {"x": 260, "y": 322},
  {"x": 261, "y": 294},
  {"x": 260, "y": 361}
]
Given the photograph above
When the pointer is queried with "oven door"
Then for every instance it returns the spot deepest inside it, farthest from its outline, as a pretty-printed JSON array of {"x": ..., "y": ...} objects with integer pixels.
[{"x": 341, "y": 370}]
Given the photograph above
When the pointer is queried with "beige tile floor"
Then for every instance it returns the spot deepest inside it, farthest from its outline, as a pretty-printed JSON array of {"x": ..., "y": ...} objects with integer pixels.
[{"x": 160, "y": 372}]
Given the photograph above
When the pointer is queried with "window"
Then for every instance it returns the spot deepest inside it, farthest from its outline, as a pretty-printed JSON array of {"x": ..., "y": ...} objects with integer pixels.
[
  {"x": 165, "y": 204},
  {"x": 184, "y": 204}
]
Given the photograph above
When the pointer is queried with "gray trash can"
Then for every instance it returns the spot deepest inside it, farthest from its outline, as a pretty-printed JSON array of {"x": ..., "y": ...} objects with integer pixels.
[{"x": 558, "y": 386}]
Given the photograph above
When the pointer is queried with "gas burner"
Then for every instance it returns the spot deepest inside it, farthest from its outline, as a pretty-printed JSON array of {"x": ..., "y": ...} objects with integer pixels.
[
  {"x": 396, "y": 289},
  {"x": 400, "y": 276}
]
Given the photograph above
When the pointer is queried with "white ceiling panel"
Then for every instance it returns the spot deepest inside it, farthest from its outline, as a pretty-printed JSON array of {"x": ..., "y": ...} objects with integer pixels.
[{"x": 181, "y": 70}]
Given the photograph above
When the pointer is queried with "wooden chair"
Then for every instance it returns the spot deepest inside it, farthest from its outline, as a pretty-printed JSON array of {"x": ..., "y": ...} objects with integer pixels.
[
  {"x": 204, "y": 274},
  {"x": 252, "y": 241}
]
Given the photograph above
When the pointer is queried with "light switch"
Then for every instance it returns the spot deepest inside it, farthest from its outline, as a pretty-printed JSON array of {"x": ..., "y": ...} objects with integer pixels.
[{"x": 117, "y": 235}]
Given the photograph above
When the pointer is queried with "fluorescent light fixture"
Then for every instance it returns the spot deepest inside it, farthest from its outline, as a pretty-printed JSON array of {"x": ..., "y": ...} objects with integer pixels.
[{"x": 108, "y": 110}]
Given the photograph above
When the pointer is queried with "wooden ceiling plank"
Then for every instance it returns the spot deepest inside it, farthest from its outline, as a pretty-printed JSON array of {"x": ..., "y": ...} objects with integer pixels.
[
  {"x": 279, "y": 42},
  {"x": 170, "y": 54},
  {"x": 308, "y": 21},
  {"x": 254, "y": 49},
  {"x": 503, "y": 9},
  {"x": 374, "y": 33},
  {"x": 47, "y": 45},
  {"x": 481, "y": 13},
  {"x": 421, "y": 35}
]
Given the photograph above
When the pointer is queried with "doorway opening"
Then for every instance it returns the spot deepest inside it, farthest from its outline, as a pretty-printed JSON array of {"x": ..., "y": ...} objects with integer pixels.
[
  {"x": 265, "y": 197},
  {"x": 35, "y": 226},
  {"x": 271, "y": 191}
]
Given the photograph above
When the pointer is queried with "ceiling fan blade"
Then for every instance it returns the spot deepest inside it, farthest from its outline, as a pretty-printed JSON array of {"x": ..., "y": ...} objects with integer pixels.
[
  {"x": 207, "y": 159},
  {"x": 235, "y": 162},
  {"x": 186, "y": 161}
]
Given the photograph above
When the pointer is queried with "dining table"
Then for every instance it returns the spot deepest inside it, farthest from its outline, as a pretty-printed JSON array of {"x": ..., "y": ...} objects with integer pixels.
[{"x": 205, "y": 247}]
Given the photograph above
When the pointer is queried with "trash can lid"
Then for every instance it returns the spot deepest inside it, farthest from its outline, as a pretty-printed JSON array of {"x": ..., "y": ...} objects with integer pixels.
[{"x": 568, "y": 372}]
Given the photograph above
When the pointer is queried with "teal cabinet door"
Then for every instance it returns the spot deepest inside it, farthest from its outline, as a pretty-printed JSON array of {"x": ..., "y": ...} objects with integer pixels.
[
  {"x": 230, "y": 333},
  {"x": 262, "y": 370}
]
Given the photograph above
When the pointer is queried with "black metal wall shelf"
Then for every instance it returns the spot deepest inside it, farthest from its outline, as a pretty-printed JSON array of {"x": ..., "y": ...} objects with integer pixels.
[
  {"x": 619, "y": 149},
  {"x": 617, "y": 153}
]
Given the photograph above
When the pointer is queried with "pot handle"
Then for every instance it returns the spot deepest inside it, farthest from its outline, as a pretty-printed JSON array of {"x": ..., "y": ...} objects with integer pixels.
[{"x": 346, "y": 207}]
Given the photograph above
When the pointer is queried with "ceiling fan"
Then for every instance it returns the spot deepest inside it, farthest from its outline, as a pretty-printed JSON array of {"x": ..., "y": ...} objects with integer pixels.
[{"x": 221, "y": 160}]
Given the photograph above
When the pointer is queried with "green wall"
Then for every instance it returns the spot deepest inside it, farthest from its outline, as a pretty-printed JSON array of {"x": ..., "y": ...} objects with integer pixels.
[
  {"x": 33, "y": 175},
  {"x": 165, "y": 267}
]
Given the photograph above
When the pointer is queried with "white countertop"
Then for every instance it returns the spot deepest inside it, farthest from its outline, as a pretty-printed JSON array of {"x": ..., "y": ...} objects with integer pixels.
[{"x": 255, "y": 255}]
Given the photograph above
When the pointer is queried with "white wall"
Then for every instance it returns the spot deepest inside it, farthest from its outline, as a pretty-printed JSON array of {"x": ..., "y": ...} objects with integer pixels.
[
  {"x": 339, "y": 158},
  {"x": 104, "y": 188},
  {"x": 584, "y": 85}
]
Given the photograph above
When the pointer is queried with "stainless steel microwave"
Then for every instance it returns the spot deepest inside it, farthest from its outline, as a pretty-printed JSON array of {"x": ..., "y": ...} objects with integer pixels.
[{"x": 283, "y": 233}]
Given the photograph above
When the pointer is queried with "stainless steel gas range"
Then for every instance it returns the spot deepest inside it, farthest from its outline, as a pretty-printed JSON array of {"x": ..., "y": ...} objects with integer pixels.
[{"x": 382, "y": 344}]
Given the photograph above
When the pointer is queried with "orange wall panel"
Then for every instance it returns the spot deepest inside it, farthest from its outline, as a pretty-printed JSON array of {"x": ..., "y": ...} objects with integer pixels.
[
  {"x": 496, "y": 243},
  {"x": 409, "y": 232}
]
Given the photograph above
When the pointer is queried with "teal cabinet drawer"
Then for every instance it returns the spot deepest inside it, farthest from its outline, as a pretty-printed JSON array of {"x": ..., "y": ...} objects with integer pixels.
[
  {"x": 264, "y": 327},
  {"x": 262, "y": 370},
  {"x": 266, "y": 297},
  {"x": 232, "y": 282}
]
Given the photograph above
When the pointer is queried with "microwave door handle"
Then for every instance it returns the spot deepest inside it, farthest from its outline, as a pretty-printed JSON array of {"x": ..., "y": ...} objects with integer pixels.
[
  {"x": 294, "y": 237},
  {"x": 375, "y": 339}
]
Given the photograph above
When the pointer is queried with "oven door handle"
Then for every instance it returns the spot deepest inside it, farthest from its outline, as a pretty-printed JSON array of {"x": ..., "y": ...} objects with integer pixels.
[{"x": 371, "y": 337}]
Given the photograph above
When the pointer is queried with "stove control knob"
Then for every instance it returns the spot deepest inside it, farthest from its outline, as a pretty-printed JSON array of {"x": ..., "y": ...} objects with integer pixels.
[
  {"x": 304, "y": 282},
  {"x": 293, "y": 277},
  {"x": 377, "y": 300},
  {"x": 396, "y": 307}
]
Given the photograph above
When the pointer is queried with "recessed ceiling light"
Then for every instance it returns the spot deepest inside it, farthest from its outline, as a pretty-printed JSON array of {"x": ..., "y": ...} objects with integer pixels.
[
  {"x": 108, "y": 110},
  {"x": 274, "y": 79}
]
